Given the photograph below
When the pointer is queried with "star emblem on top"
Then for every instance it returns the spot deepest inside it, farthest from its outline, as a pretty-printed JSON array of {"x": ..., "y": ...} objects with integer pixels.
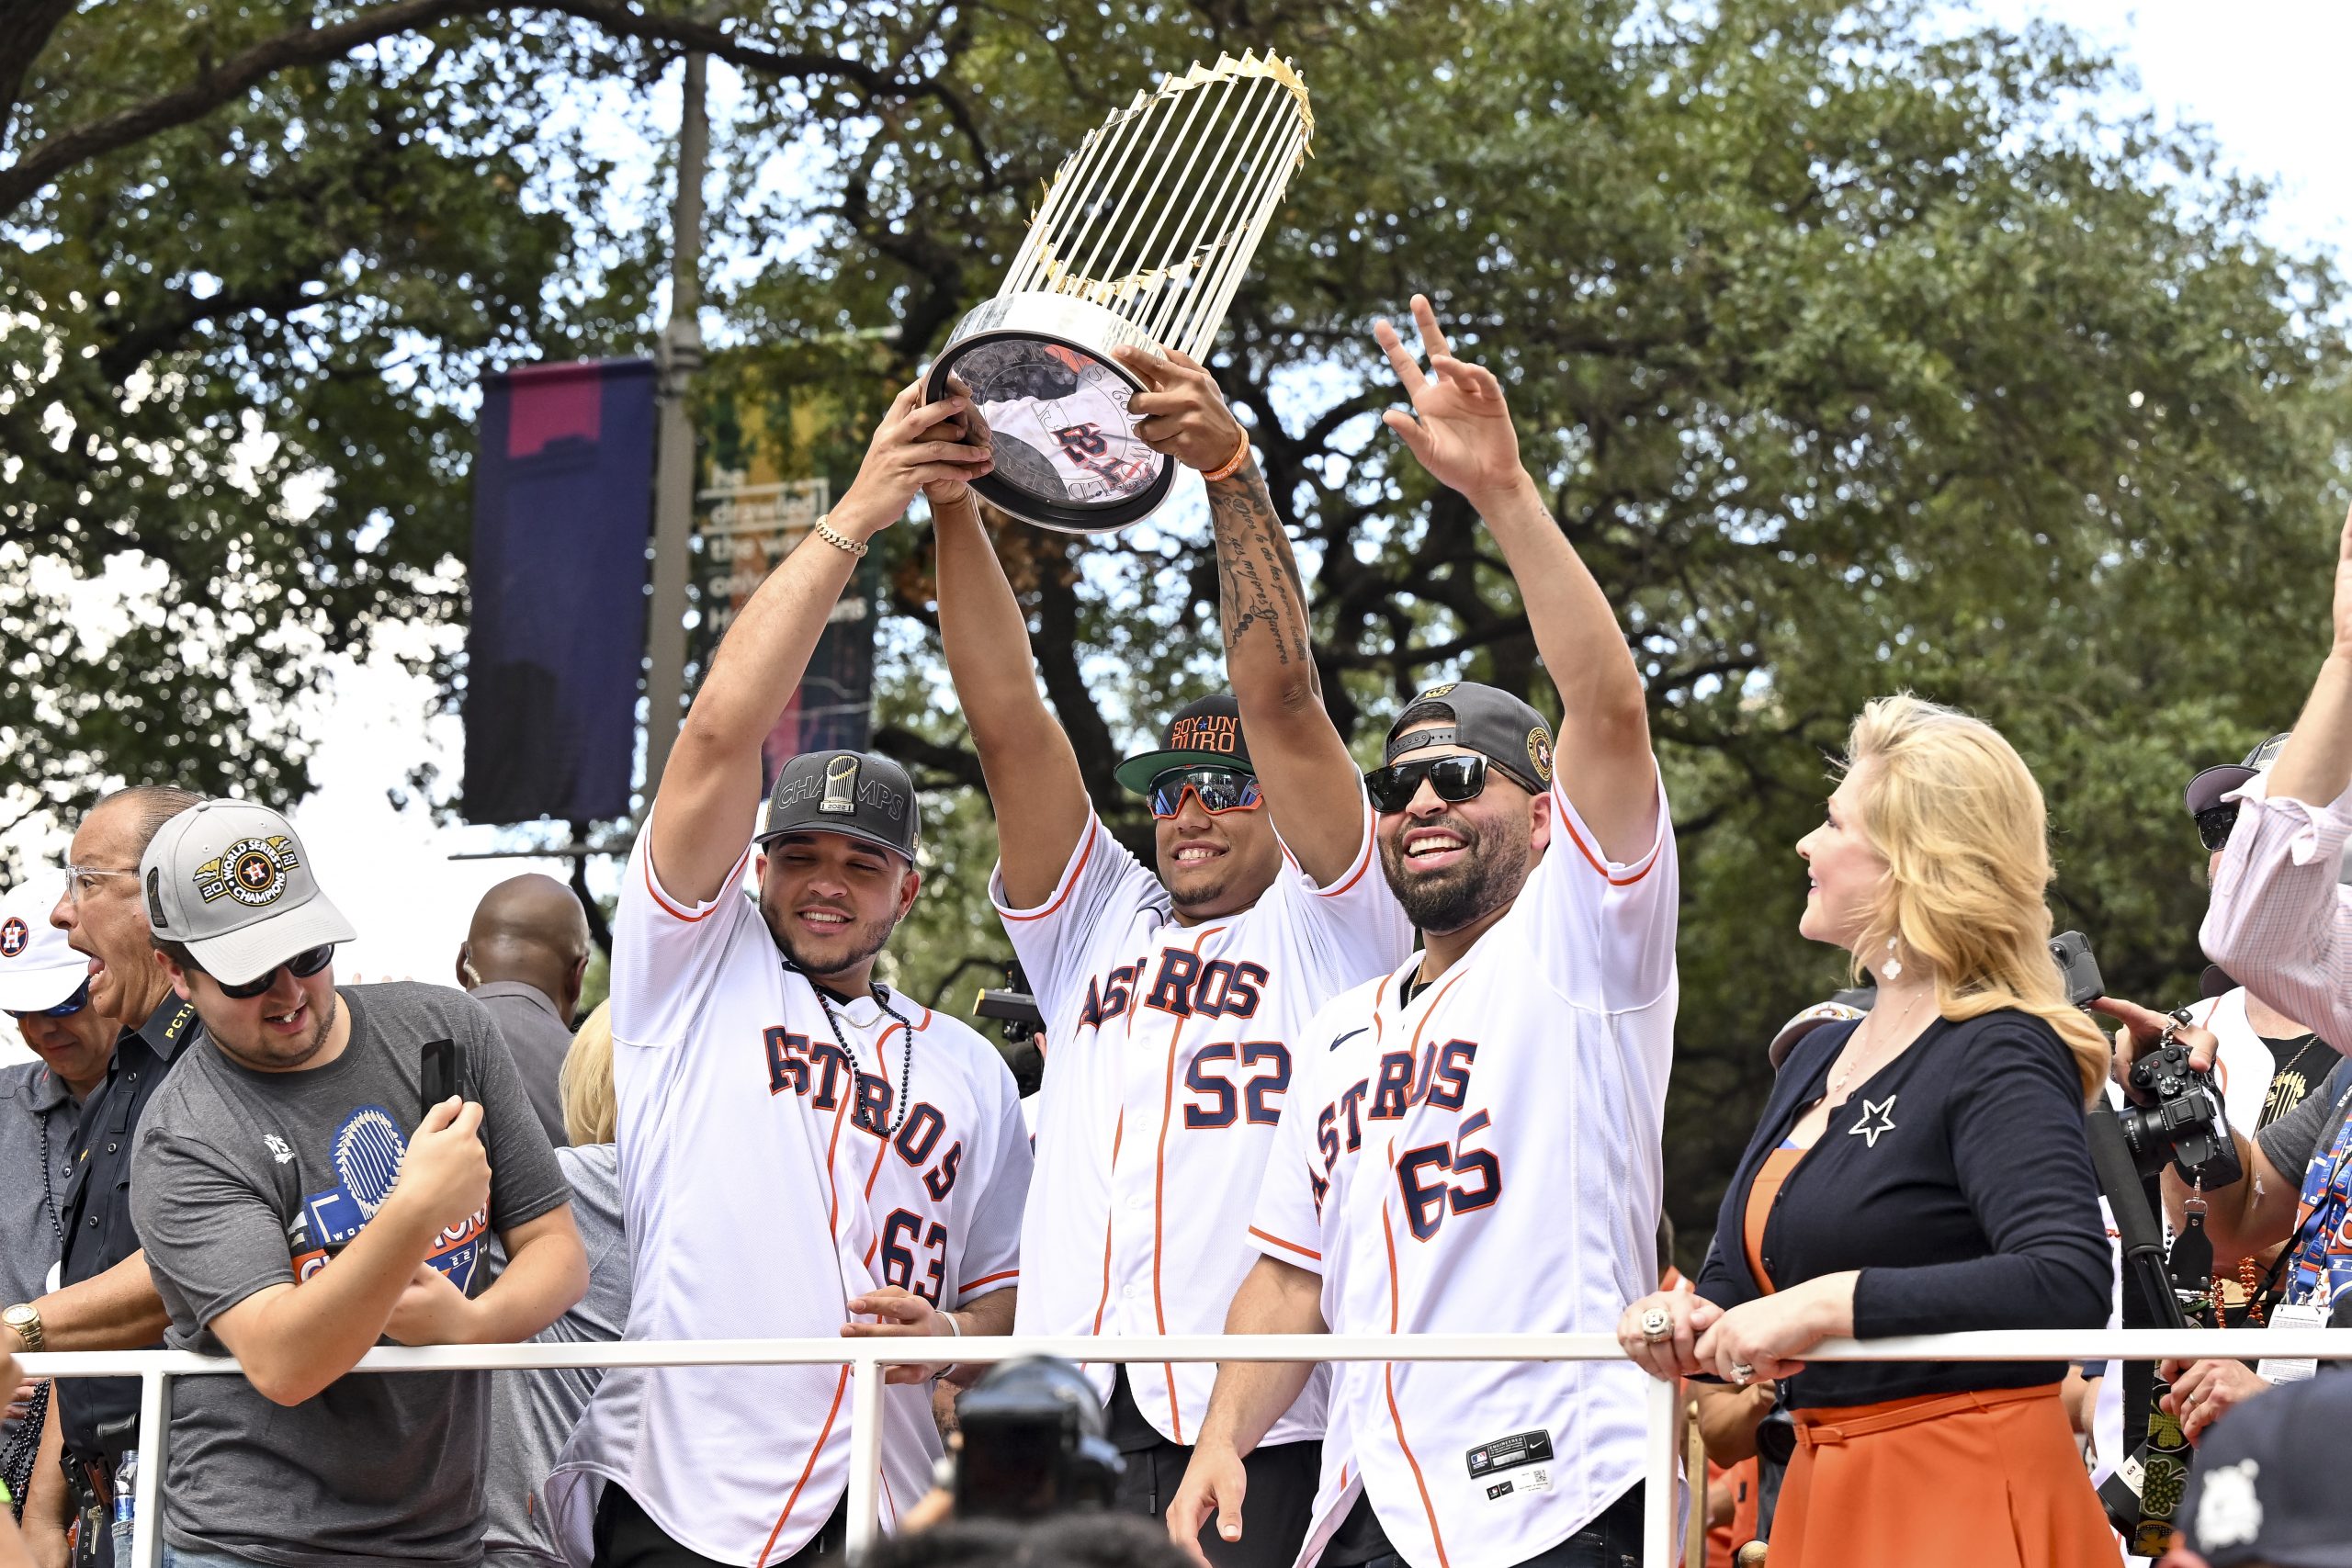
[{"x": 1878, "y": 1116}]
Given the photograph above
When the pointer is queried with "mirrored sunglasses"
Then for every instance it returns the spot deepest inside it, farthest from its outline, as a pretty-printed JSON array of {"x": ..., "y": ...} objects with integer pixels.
[
  {"x": 66, "y": 1009},
  {"x": 1219, "y": 790}
]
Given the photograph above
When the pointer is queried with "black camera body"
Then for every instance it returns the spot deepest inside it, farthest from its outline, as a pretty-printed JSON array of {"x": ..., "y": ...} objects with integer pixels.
[
  {"x": 2071, "y": 953},
  {"x": 1033, "y": 1443},
  {"x": 2182, "y": 1122}
]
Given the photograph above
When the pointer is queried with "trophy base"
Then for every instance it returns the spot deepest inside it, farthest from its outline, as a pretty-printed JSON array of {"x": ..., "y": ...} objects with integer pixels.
[{"x": 1068, "y": 457}]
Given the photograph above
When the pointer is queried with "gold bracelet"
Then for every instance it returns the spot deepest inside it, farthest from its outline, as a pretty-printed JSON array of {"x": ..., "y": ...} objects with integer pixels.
[
  {"x": 1233, "y": 464},
  {"x": 839, "y": 541}
]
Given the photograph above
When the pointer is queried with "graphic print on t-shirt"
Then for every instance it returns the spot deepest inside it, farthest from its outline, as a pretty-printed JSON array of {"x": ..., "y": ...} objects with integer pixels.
[{"x": 365, "y": 1154}]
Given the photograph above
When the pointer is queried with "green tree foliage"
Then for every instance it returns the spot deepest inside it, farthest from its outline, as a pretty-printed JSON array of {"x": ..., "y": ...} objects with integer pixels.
[
  {"x": 1858, "y": 349},
  {"x": 1855, "y": 355},
  {"x": 257, "y": 256}
]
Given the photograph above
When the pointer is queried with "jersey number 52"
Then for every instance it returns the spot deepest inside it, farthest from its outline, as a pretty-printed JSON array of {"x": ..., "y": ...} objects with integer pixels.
[{"x": 1256, "y": 1099}]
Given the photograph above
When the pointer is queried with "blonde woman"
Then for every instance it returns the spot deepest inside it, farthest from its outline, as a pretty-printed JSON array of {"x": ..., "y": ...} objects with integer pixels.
[
  {"x": 1919, "y": 1171},
  {"x": 532, "y": 1414}
]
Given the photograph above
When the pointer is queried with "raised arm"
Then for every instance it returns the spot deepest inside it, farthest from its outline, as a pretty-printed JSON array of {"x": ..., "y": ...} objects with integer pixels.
[
  {"x": 2277, "y": 922},
  {"x": 1312, "y": 784},
  {"x": 711, "y": 787},
  {"x": 1459, "y": 429},
  {"x": 2316, "y": 765},
  {"x": 1031, "y": 770}
]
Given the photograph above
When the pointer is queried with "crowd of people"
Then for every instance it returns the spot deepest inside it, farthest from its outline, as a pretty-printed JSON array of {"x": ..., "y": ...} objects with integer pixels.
[{"x": 1356, "y": 1053}]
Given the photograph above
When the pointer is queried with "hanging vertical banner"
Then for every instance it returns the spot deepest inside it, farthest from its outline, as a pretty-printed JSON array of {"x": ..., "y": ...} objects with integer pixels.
[
  {"x": 563, "y": 505},
  {"x": 744, "y": 530}
]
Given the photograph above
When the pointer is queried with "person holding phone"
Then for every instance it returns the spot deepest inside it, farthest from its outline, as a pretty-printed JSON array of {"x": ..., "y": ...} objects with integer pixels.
[{"x": 305, "y": 1196}]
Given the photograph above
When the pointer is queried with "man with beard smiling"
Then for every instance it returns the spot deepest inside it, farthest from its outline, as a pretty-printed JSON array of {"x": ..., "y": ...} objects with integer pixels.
[
  {"x": 801, "y": 1149},
  {"x": 105, "y": 1299},
  {"x": 1172, "y": 1002},
  {"x": 307, "y": 1192},
  {"x": 1475, "y": 1138}
]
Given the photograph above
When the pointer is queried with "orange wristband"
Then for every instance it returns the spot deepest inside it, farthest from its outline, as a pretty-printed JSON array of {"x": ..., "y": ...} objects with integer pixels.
[{"x": 1232, "y": 464}]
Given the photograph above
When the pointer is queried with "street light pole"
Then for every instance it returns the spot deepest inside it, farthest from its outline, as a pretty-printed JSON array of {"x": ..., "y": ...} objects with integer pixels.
[{"x": 680, "y": 357}]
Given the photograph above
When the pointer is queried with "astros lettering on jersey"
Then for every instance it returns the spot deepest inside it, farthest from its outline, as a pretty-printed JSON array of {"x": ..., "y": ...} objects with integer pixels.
[
  {"x": 764, "y": 1185},
  {"x": 1169, "y": 1054},
  {"x": 1488, "y": 1154}
]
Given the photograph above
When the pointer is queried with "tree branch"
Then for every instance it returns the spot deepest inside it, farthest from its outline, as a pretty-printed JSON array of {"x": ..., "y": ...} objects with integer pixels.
[{"x": 217, "y": 85}]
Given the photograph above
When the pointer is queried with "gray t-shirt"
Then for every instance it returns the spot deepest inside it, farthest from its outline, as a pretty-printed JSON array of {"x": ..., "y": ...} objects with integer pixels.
[
  {"x": 532, "y": 1414},
  {"x": 2308, "y": 1131},
  {"x": 539, "y": 1041},
  {"x": 243, "y": 1180}
]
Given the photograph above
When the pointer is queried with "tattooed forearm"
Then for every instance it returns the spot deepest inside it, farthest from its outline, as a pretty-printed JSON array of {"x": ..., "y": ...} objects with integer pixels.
[{"x": 1258, "y": 577}]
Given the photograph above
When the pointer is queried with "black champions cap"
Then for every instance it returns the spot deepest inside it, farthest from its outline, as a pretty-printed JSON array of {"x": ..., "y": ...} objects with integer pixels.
[
  {"x": 1510, "y": 735},
  {"x": 1203, "y": 734},
  {"x": 859, "y": 795}
]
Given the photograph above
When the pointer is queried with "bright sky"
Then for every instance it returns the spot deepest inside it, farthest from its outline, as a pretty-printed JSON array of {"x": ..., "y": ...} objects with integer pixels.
[{"x": 2261, "y": 75}]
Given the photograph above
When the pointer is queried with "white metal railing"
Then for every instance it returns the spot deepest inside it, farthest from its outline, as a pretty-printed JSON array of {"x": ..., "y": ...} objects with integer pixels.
[{"x": 866, "y": 1358}]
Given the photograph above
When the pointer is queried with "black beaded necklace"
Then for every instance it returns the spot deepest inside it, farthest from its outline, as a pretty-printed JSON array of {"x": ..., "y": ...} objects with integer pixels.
[{"x": 907, "y": 1052}]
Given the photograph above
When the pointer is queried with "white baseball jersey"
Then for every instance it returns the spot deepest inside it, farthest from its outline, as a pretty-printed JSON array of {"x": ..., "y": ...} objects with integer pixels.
[
  {"x": 1085, "y": 435},
  {"x": 761, "y": 1193},
  {"x": 1486, "y": 1156},
  {"x": 1169, "y": 1058}
]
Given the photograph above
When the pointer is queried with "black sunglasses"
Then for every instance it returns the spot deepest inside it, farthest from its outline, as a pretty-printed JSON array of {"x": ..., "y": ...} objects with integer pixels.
[
  {"x": 66, "y": 1009},
  {"x": 2213, "y": 825},
  {"x": 303, "y": 965},
  {"x": 1455, "y": 779},
  {"x": 1219, "y": 790}
]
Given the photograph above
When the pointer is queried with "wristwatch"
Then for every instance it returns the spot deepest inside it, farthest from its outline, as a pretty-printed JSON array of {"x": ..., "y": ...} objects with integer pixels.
[{"x": 26, "y": 1321}]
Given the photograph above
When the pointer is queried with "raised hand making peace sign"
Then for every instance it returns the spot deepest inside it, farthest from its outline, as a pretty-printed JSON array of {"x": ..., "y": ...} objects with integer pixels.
[{"x": 1460, "y": 427}]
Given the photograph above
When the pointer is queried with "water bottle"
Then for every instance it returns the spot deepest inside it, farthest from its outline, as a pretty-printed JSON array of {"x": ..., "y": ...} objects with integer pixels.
[{"x": 126, "y": 1492}]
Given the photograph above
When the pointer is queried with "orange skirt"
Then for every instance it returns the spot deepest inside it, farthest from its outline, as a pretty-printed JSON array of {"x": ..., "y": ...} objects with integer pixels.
[{"x": 1986, "y": 1480}]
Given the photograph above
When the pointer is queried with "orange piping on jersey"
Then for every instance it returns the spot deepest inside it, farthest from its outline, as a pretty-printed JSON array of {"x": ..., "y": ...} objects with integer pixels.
[
  {"x": 988, "y": 1279},
  {"x": 884, "y": 1478},
  {"x": 841, "y": 1386},
  {"x": 882, "y": 1144},
  {"x": 832, "y": 1151},
  {"x": 1567, "y": 820},
  {"x": 1287, "y": 1246},
  {"x": 1093, "y": 831},
  {"x": 1118, "y": 1131},
  {"x": 1364, "y": 863},
  {"x": 733, "y": 877},
  {"x": 1388, "y": 1376},
  {"x": 1159, "y": 1192}
]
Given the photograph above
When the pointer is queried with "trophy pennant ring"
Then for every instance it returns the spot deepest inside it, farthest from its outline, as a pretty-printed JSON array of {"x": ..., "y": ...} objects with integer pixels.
[{"x": 1141, "y": 240}]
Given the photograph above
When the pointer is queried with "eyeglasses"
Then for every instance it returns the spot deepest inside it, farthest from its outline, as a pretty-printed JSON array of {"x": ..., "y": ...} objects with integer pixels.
[
  {"x": 2213, "y": 825},
  {"x": 303, "y": 965},
  {"x": 1455, "y": 779},
  {"x": 66, "y": 1009},
  {"x": 80, "y": 880},
  {"x": 1219, "y": 790}
]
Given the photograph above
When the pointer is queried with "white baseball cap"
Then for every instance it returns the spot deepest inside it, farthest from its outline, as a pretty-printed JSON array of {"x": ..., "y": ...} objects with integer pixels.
[
  {"x": 231, "y": 882},
  {"x": 37, "y": 971}
]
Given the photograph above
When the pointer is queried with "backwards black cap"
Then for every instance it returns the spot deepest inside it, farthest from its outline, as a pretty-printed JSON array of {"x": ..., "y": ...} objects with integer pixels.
[
  {"x": 858, "y": 795},
  {"x": 2262, "y": 1492},
  {"x": 1510, "y": 735}
]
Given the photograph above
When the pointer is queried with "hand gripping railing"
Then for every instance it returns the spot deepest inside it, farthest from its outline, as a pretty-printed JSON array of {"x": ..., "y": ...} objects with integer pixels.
[{"x": 866, "y": 1358}]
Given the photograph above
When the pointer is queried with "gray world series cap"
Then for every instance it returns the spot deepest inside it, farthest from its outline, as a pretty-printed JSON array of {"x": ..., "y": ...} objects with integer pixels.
[
  {"x": 231, "y": 882},
  {"x": 859, "y": 795},
  {"x": 1510, "y": 735}
]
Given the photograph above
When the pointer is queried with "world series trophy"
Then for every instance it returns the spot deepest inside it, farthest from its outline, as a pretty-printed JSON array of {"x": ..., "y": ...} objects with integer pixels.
[{"x": 1141, "y": 240}]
